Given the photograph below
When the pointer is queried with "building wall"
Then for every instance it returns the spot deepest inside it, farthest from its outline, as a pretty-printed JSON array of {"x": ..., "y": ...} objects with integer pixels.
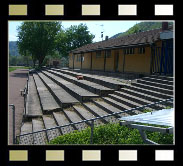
[
  {"x": 110, "y": 62},
  {"x": 87, "y": 61},
  {"x": 98, "y": 62},
  {"x": 138, "y": 63},
  {"x": 71, "y": 60}
]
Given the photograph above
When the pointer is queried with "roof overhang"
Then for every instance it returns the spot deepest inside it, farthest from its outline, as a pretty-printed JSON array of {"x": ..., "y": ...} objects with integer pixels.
[
  {"x": 109, "y": 48},
  {"x": 166, "y": 35}
]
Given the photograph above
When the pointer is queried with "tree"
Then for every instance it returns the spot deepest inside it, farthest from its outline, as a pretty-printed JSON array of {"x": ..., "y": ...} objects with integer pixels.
[
  {"x": 72, "y": 38},
  {"x": 37, "y": 39}
]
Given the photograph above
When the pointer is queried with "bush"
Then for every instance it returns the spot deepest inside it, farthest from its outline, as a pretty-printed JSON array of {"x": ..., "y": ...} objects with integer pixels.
[{"x": 111, "y": 134}]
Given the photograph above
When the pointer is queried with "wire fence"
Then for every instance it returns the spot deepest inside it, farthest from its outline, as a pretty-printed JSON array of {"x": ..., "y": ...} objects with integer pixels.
[{"x": 44, "y": 136}]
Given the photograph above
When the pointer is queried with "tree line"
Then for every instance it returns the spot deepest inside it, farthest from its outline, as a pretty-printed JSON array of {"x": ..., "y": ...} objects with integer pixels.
[{"x": 43, "y": 40}]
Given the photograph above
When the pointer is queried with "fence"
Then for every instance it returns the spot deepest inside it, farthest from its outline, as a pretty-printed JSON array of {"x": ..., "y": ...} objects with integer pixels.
[{"x": 41, "y": 137}]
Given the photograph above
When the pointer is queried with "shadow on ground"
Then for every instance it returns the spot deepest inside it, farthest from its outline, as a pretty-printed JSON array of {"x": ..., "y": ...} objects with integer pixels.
[{"x": 20, "y": 75}]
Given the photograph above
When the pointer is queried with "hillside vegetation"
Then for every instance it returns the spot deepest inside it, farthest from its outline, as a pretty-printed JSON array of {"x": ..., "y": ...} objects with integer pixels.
[
  {"x": 142, "y": 26},
  {"x": 13, "y": 49}
]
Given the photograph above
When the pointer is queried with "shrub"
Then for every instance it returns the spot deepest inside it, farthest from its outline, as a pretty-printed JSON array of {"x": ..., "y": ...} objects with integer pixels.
[{"x": 111, "y": 134}]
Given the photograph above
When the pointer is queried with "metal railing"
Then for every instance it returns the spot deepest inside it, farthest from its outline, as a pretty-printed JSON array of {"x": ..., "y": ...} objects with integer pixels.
[
  {"x": 13, "y": 122},
  {"x": 41, "y": 137},
  {"x": 26, "y": 90}
]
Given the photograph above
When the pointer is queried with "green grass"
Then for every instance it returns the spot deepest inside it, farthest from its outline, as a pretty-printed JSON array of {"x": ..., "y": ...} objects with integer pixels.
[
  {"x": 111, "y": 134},
  {"x": 18, "y": 67}
]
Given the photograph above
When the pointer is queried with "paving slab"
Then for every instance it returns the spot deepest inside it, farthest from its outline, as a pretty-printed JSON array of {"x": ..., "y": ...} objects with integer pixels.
[
  {"x": 39, "y": 137},
  {"x": 49, "y": 122},
  {"x": 61, "y": 120},
  {"x": 60, "y": 95},
  {"x": 108, "y": 108},
  {"x": 48, "y": 103},
  {"x": 73, "y": 117},
  {"x": 85, "y": 114},
  {"x": 125, "y": 101},
  {"x": 98, "y": 111},
  {"x": 76, "y": 91},
  {"x": 27, "y": 139},
  {"x": 116, "y": 104}
]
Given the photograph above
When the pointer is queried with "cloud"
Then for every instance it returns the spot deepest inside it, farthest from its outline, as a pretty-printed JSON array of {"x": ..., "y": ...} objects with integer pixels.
[{"x": 12, "y": 38}]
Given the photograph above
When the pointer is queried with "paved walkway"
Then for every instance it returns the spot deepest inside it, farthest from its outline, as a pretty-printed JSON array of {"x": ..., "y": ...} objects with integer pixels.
[{"x": 17, "y": 81}]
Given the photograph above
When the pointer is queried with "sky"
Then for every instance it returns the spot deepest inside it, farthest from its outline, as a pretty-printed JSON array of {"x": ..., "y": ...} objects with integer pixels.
[{"x": 109, "y": 28}]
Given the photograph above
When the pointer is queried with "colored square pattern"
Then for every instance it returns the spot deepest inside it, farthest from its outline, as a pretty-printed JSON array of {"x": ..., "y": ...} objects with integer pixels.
[
  {"x": 90, "y": 10},
  {"x": 54, "y": 10},
  {"x": 91, "y": 155},
  {"x": 127, "y": 10},
  {"x": 54, "y": 155},
  {"x": 127, "y": 155},
  {"x": 163, "y": 10},
  {"x": 17, "y": 10},
  {"x": 18, "y": 155},
  {"x": 164, "y": 155}
]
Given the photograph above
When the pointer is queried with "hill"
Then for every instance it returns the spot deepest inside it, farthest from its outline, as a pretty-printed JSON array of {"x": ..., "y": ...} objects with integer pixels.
[
  {"x": 142, "y": 26},
  {"x": 13, "y": 49}
]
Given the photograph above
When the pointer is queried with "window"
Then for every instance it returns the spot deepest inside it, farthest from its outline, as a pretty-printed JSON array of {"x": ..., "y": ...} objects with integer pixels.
[
  {"x": 98, "y": 54},
  {"x": 108, "y": 53},
  {"x": 129, "y": 51},
  {"x": 141, "y": 50}
]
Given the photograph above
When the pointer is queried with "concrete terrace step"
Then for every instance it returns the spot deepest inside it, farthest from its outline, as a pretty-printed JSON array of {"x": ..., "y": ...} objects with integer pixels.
[
  {"x": 62, "y": 120},
  {"x": 125, "y": 101},
  {"x": 40, "y": 138},
  {"x": 63, "y": 98},
  {"x": 48, "y": 103},
  {"x": 148, "y": 91},
  {"x": 168, "y": 78},
  {"x": 33, "y": 108},
  {"x": 153, "y": 88},
  {"x": 139, "y": 95},
  {"x": 26, "y": 128},
  {"x": 49, "y": 122},
  {"x": 104, "y": 81},
  {"x": 153, "y": 79},
  {"x": 135, "y": 99},
  {"x": 155, "y": 84},
  {"x": 85, "y": 114},
  {"x": 73, "y": 117},
  {"x": 96, "y": 111},
  {"x": 88, "y": 85},
  {"x": 108, "y": 108},
  {"x": 76, "y": 91},
  {"x": 116, "y": 104}
]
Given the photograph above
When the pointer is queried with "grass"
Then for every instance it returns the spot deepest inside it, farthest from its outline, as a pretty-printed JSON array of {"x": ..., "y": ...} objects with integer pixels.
[
  {"x": 17, "y": 67},
  {"x": 111, "y": 134}
]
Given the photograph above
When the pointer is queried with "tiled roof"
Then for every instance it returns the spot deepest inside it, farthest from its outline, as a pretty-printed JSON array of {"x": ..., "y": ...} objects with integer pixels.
[{"x": 146, "y": 37}]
